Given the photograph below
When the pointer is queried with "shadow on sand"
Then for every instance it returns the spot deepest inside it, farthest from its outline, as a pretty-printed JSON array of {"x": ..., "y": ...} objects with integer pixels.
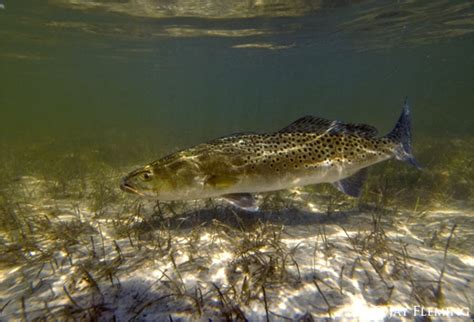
[{"x": 246, "y": 220}]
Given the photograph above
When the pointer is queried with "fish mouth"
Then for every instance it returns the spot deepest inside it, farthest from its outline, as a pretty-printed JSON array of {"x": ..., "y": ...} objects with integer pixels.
[{"x": 129, "y": 188}]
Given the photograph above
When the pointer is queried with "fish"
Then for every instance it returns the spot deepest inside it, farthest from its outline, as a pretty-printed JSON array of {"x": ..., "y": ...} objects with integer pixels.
[{"x": 311, "y": 150}]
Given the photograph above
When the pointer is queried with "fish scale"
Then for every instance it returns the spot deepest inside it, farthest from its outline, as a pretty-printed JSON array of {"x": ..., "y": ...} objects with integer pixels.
[
  {"x": 310, "y": 150},
  {"x": 301, "y": 150}
]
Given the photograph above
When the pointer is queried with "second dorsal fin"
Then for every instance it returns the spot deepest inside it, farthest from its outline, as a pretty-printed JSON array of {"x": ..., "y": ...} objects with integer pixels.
[{"x": 318, "y": 125}]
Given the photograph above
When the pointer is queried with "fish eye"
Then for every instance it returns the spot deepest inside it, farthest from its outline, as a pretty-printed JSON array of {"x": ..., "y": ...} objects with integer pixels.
[{"x": 146, "y": 176}]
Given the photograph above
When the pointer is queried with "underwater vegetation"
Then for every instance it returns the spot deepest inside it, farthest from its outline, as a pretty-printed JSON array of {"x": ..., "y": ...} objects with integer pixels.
[{"x": 73, "y": 246}]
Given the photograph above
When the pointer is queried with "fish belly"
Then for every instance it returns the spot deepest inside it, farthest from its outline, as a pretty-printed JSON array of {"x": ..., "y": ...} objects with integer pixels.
[{"x": 294, "y": 179}]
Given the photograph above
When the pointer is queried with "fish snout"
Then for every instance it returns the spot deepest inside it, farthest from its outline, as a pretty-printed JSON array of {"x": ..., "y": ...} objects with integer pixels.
[{"x": 126, "y": 186}]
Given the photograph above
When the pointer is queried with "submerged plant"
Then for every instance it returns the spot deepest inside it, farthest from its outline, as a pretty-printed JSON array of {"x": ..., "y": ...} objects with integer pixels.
[{"x": 72, "y": 241}]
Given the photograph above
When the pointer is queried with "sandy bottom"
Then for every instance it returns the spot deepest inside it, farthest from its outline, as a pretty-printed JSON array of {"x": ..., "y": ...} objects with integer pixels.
[{"x": 158, "y": 263}]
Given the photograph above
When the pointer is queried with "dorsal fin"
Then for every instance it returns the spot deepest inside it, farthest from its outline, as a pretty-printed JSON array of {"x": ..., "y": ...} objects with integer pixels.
[
  {"x": 318, "y": 125},
  {"x": 307, "y": 123}
]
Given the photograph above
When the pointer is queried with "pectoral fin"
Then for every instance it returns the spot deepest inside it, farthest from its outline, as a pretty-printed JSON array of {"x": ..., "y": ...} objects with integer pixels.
[
  {"x": 241, "y": 200},
  {"x": 352, "y": 185},
  {"x": 221, "y": 181}
]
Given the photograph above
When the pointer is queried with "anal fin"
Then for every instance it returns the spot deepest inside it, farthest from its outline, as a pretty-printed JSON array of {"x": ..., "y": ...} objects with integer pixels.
[
  {"x": 352, "y": 185},
  {"x": 241, "y": 200}
]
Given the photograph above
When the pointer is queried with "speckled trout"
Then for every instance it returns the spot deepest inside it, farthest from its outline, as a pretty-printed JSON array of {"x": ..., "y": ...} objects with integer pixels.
[{"x": 310, "y": 150}]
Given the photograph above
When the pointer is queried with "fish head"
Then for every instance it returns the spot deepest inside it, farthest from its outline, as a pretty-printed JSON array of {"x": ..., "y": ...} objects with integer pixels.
[
  {"x": 142, "y": 181},
  {"x": 167, "y": 179}
]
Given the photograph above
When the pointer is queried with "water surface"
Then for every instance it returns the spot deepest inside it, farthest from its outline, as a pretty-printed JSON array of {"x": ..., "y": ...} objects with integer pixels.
[{"x": 184, "y": 72}]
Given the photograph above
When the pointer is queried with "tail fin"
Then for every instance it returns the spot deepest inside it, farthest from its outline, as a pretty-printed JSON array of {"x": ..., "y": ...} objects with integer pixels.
[{"x": 401, "y": 133}]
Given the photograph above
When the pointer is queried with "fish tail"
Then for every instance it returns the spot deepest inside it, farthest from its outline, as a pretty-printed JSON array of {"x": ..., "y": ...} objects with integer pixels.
[{"x": 401, "y": 134}]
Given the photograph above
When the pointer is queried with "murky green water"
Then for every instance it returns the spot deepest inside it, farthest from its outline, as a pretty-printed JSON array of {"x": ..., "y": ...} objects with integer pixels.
[
  {"x": 91, "y": 88},
  {"x": 69, "y": 67}
]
